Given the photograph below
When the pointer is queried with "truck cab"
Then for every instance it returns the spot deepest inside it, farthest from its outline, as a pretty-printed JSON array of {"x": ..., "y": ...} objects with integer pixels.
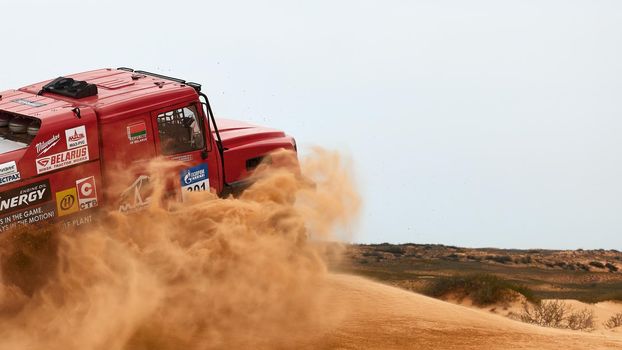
[{"x": 75, "y": 144}]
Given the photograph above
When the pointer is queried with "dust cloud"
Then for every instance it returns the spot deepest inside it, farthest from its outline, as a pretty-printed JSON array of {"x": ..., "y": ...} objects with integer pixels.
[{"x": 209, "y": 273}]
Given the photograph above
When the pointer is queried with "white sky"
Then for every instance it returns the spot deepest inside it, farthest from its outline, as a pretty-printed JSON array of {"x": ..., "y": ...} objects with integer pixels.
[{"x": 473, "y": 123}]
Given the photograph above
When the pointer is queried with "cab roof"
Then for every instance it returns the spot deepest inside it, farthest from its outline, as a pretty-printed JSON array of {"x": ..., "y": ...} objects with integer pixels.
[{"x": 117, "y": 90}]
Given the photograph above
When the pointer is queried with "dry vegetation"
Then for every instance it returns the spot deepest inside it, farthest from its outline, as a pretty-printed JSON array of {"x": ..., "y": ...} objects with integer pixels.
[
  {"x": 557, "y": 314},
  {"x": 586, "y": 275},
  {"x": 484, "y": 290},
  {"x": 539, "y": 280},
  {"x": 614, "y": 322},
  {"x": 481, "y": 289}
]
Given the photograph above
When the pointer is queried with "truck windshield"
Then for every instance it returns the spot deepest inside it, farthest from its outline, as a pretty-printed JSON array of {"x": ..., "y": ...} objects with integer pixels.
[{"x": 16, "y": 132}]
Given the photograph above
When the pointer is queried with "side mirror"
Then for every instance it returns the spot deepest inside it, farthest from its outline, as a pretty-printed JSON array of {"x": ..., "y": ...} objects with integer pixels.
[{"x": 204, "y": 154}]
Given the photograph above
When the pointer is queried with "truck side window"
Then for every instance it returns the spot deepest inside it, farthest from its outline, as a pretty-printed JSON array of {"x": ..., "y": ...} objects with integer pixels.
[{"x": 180, "y": 131}]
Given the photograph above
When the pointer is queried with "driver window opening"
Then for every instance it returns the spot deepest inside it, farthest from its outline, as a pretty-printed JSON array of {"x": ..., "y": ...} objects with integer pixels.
[{"x": 180, "y": 131}]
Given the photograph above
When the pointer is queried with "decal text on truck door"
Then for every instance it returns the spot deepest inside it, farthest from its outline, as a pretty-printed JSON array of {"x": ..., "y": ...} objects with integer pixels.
[
  {"x": 44, "y": 146},
  {"x": 194, "y": 179},
  {"x": 67, "y": 202},
  {"x": 137, "y": 132},
  {"x": 62, "y": 159},
  {"x": 87, "y": 193},
  {"x": 76, "y": 137},
  {"x": 25, "y": 196},
  {"x": 9, "y": 173}
]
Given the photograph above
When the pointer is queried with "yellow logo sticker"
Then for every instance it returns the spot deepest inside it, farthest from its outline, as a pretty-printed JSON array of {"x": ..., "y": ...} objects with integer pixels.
[{"x": 67, "y": 202}]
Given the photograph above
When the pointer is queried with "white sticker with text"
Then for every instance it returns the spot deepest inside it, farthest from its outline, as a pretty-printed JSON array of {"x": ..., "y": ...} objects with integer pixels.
[
  {"x": 62, "y": 159},
  {"x": 76, "y": 137}
]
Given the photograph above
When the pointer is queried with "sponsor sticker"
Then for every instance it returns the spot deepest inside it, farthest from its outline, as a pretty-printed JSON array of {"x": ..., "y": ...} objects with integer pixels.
[
  {"x": 8, "y": 168},
  {"x": 76, "y": 137},
  {"x": 87, "y": 193},
  {"x": 78, "y": 220},
  {"x": 9, "y": 173},
  {"x": 137, "y": 132},
  {"x": 30, "y": 215},
  {"x": 62, "y": 159},
  {"x": 25, "y": 196},
  {"x": 194, "y": 179},
  {"x": 136, "y": 196},
  {"x": 44, "y": 146},
  {"x": 67, "y": 202}
]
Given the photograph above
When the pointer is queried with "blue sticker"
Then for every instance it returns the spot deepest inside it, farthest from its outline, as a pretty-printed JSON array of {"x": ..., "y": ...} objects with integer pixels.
[{"x": 195, "y": 178}]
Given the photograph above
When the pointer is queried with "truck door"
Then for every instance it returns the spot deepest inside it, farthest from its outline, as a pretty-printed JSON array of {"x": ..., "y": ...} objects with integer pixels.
[{"x": 181, "y": 134}]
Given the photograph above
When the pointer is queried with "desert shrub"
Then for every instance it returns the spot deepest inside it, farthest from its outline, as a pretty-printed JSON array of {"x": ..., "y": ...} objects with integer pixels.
[
  {"x": 502, "y": 259},
  {"x": 482, "y": 289},
  {"x": 583, "y": 267},
  {"x": 557, "y": 314},
  {"x": 614, "y": 321},
  {"x": 525, "y": 259},
  {"x": 452, "y": 256},
  {"x": 545, "y": 313},
  {"x": 389, "y": 248},
  {"x": 611, "y": 267},
  {"x": 597, "y": 264},
  {"x": 581, "y": 320}
]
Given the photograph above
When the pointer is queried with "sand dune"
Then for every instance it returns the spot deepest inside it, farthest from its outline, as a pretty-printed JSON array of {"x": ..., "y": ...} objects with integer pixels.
[{"x": 378, "y": 316}]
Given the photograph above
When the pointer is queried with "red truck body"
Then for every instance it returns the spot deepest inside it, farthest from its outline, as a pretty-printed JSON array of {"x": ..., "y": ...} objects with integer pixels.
[{"x": 64, "y": 144}]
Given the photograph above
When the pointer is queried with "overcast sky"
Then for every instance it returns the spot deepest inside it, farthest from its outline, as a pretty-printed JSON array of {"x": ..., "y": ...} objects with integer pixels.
[{"x": 472, "y": 123}]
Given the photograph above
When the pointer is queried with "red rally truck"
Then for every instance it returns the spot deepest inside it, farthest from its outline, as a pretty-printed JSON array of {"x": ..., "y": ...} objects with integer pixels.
[{"x": 64, "y": 142}]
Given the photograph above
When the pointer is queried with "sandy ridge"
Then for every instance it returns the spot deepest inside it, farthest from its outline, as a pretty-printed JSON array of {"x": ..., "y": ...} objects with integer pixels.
[{"x": 378, "y": 316}]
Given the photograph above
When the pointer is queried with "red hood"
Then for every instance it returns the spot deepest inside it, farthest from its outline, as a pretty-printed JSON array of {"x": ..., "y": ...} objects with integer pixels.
[
  {"x": 245, "y": 144},
  {"x": 236, "y": 133}
]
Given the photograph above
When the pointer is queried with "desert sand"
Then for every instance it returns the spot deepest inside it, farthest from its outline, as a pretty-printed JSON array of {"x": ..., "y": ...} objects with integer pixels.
[{"x": 378, "y": 316}]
